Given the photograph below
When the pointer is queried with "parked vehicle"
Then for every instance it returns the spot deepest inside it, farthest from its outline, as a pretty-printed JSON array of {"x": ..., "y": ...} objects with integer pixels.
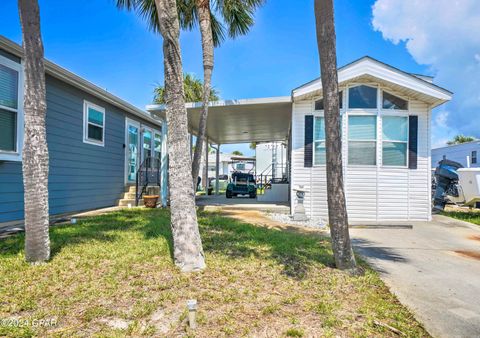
[
  {"x": 455, "y": 184},
  {"x": 241, "y": 184}
]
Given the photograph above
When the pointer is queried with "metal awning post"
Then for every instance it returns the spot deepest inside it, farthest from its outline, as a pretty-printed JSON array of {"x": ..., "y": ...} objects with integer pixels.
[
  {"x": 164, "y": 164},
  {"x": 206, "y": 165},
  {"x": 191, "y": 146},
  {"x": 217, "y": 170}
]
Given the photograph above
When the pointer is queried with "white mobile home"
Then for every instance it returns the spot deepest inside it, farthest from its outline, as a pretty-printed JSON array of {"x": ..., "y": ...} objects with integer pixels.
[
  {"x": 385, "y": 120},
  {"x": 465, "y": 153}
]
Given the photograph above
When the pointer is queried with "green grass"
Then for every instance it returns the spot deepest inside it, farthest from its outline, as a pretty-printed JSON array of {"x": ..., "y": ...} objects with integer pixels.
[
  {"x": 118, "y": 268},
  {"x": 467, "y": 216}
]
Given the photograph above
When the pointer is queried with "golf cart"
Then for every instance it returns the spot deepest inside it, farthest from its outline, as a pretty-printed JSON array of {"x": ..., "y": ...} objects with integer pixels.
[{"x": 241, "y": 184}]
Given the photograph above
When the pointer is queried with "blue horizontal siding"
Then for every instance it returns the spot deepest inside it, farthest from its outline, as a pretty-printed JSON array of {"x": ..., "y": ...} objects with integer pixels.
[{"x": 82, "y": 176}]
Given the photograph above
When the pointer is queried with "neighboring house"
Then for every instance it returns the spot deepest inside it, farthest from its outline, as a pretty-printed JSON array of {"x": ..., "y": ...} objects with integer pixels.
[
  {"x": 95, "y": 140},
  {"x": 271, "y": 159},
  {"x": 385, "y": 124},
  {"x": 229, "y": 163},
  {"x": 464, "y": 153}
]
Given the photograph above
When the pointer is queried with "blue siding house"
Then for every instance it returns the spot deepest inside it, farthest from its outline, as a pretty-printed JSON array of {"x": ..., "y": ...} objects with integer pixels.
[{"x": 96, "y": 141}]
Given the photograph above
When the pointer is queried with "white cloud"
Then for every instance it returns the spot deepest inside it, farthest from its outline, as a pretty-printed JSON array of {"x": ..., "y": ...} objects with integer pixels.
[{"x": 445, "y": 35}]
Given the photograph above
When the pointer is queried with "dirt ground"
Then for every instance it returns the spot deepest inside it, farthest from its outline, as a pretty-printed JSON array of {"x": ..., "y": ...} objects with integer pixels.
[{"x": 260, "y": 218}]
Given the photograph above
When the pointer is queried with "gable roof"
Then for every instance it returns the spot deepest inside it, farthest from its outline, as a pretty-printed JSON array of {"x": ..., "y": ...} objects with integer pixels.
[
  {"x": 79, "y": 82},
  {"x": 370, "y": 69}
]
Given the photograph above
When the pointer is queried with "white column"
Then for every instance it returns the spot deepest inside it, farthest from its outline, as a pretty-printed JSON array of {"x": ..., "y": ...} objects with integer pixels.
[
  {"x": 217, "y": 169},
  {"x": 206, "y": 166},
  {"x": 164, "y": 164},
  {"x": 191, "y": 146}
]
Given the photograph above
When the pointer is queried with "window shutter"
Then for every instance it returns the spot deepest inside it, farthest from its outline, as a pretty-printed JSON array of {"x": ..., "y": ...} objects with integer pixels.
[
  {"x": 412, "y": 141},
  {"x": 308, "y": 150}
]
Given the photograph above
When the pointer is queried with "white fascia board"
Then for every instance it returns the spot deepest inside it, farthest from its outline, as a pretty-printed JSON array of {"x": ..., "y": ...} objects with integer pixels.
[
  {"x": 367, "y": 66},
  {"x": 224, "y": 103}
]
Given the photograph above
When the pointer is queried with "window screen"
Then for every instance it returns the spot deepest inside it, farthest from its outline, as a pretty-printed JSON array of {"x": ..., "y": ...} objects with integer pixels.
[
  {"x": 8, "y": 87},
  {"x": 94, "y": 124},
  {"x": 362, "y": 140},
  {"x": 395, "y": 140},
  {"x": 8, "y": 127},
  {"x": 8, "y": 108}
]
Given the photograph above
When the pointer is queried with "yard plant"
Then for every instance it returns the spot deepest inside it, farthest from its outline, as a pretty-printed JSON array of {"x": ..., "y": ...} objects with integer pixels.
[{"x": 114, "y": 275}]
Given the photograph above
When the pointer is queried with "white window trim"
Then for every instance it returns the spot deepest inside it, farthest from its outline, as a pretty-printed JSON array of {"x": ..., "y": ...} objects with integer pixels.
[
  {"x": 86, "y": 105},
  {"x": 395, "y": 141},
  {"x": 15, "y": 156}
]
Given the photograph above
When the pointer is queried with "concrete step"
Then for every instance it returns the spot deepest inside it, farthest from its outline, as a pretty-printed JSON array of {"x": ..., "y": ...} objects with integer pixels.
[
  {"x": 126, "y": 201},
  {"x": 129, "y": 195}
]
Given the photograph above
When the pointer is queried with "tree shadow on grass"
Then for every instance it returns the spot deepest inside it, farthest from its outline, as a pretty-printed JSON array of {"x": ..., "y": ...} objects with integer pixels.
[
  {"x": 103, "y": 228},
  {"x": 295, "y": 252}
]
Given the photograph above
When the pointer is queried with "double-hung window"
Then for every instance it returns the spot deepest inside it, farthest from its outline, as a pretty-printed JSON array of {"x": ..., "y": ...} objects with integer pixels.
[
  {"x": 319, "y": 153},
  {"x": 474, "y": 157},
  {"x": 394, "y": 140},
  {"x": 11, "y": 114},
  {"x": 362, "y": 140},
  {"x": 93, "y": 124}
]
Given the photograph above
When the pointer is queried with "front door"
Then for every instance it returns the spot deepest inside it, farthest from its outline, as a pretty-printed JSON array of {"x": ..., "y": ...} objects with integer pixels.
[
  {"x": 151, "y": 147},
  {"x": 132, "y": 153},
  {"x": 141, "y": 143}
]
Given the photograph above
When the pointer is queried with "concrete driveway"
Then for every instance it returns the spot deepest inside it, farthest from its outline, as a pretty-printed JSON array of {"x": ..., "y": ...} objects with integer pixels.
[{"x": 433, "y": 268}]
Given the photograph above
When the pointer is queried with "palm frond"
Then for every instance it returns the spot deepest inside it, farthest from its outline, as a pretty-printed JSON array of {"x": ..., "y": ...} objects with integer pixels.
[
  {"x": 193, "y": 89},
  {"x": 218, "y": 30},
  {"x": 187, "y": 14},
  {"x": 238, "y": 14}
]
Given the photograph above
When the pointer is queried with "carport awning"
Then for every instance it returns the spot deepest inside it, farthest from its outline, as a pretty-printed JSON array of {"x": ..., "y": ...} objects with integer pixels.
[{"x": 240, "y": 121}]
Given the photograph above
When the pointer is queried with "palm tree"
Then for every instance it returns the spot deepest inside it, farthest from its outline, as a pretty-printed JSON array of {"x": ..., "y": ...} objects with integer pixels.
[
  {"x": 458, "y": 139},
  {"x": 193, "y": 88},
  {"x": 237, "y": 152},
  {"x": 337, "y": 210},
  {"x": 238, "y": 17},
  {"x": 35, "y": 150},
  {"x": 187, "y": 251}
]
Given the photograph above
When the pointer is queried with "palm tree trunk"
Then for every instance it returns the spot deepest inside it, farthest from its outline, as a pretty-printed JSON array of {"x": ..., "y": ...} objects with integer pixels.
[
  {"x": 35, "y": 150},
  {"x": 188, "y": 251},
  {"x": 337, "y": 210},
  {"x": 203, "y": 8}
]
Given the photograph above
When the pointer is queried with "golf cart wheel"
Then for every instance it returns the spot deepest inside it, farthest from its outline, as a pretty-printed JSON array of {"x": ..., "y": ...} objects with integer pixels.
[
  {"x": 253, "y": 195},
  {"x": 228, "y": 194}
]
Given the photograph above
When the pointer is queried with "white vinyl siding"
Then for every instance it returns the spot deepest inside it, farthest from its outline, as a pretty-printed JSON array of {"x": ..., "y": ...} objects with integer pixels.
[{"x": 373, "y": 193}]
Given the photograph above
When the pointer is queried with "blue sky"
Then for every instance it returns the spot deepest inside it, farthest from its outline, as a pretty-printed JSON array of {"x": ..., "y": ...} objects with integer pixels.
[{"x": 115, "y": 50}]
